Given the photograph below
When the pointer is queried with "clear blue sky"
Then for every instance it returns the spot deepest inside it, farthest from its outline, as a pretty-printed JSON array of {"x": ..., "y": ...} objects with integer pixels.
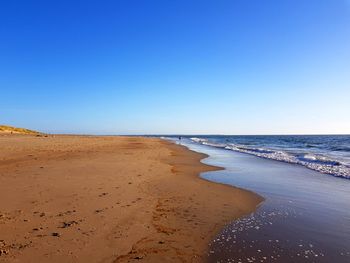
[{"x": 190, "y": 67}]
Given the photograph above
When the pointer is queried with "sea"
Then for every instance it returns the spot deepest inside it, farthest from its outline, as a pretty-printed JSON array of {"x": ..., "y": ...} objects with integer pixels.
[
  {"x": 329, "y": 154},
  {"x": 305, "y": 216}
]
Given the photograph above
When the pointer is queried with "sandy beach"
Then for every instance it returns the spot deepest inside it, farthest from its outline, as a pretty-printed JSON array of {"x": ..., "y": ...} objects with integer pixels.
[{"x": 109, "y": 199}]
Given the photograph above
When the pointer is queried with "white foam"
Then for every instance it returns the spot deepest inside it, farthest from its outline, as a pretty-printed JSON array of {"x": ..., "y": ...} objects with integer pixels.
[
  {"x": 316, "y": 162},
  {"x": 199, "y": 140}
]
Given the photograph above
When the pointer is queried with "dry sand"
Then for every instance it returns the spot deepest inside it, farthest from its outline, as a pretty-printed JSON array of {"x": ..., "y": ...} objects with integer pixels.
[{"x": 109, "y": 199}]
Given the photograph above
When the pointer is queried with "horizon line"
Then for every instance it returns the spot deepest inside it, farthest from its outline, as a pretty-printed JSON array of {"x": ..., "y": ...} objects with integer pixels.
[{"x": 202, "y": 134}]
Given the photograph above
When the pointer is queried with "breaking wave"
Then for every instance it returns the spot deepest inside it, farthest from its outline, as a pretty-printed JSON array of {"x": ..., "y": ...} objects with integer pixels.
[{"x": 317, "y": 162}]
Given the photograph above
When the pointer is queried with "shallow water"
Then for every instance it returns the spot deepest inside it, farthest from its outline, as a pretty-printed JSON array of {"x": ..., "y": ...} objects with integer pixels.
[{"x": 305, "y": 217}]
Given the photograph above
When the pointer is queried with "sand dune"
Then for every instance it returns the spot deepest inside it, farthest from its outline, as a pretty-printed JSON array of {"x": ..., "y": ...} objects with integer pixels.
[{"x": 5, "y": 129}]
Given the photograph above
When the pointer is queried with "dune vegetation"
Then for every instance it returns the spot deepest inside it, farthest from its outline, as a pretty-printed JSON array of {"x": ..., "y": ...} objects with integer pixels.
[{"x": 15, "y": 130}]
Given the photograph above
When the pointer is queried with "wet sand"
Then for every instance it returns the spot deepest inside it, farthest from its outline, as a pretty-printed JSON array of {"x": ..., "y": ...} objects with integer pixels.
[
  {"x": 304, "y": 217},
  {"x": 109, "y": 199}
]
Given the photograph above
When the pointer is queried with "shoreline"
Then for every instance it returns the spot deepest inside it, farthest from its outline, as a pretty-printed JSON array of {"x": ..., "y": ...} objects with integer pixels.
[
  {"x": 110, "y": 199},
  {"x": 301, "y": 208}
]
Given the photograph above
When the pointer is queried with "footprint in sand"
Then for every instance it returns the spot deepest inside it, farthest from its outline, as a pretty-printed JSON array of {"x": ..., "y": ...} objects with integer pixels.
[{"x": 68, "y": 224}]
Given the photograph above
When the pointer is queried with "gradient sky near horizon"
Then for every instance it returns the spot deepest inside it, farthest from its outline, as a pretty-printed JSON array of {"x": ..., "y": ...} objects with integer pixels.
[{"x": 176, "y": 67}]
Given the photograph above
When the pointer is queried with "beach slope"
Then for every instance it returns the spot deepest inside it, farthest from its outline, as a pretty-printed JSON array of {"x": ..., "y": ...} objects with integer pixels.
[{"x": 109, "y": 199}]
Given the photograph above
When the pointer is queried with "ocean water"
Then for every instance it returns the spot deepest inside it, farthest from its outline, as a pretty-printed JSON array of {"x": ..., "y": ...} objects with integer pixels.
[
  {"x": 329, "y": 154},
  {"x": 306, "y": 213}
]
